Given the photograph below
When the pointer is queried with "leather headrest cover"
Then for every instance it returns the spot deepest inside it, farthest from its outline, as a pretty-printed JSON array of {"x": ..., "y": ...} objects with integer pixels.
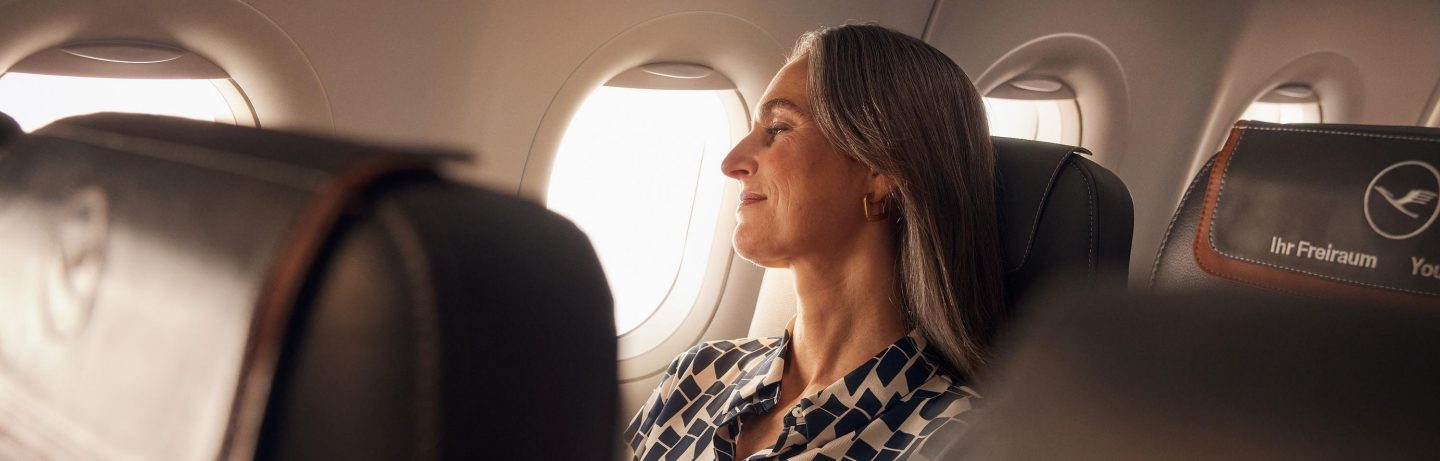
[
  {"x": 146, "y": 260},
  {"x": 1326, "y": 210}
]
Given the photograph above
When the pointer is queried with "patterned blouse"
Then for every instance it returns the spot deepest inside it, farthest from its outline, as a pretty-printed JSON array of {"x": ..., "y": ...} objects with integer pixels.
[{"x": 886, "y": 409}]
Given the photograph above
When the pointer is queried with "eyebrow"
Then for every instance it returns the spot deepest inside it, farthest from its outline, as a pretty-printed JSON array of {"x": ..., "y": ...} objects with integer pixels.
[{"x": 772, "y": 104}]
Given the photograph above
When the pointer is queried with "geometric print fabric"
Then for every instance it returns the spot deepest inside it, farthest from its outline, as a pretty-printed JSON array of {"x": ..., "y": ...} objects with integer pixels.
[{"x": 885, "y": 409}]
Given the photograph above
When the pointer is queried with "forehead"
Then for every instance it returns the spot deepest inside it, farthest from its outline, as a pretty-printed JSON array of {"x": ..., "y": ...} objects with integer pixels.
[{"x": 789, "y": 85}]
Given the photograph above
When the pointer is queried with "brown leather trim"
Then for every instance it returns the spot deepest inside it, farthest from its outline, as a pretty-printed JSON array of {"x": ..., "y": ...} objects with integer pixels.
[
  {"x": 1270, "y": 278},
  {"x": 282, "y": 287}
]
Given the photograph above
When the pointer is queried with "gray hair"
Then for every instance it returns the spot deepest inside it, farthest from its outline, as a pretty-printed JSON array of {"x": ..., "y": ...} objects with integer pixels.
[{"x": 904, "y": 109}]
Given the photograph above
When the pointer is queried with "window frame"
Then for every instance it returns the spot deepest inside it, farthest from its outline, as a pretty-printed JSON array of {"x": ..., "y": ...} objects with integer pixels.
[
  {"x": 1289, "y": 93},
  {"x": 750, "y": 58},
  {"x": 678, "y": 301},
  {"x": 1070, "y": 118},
  {"x": 126, "y": 59}
]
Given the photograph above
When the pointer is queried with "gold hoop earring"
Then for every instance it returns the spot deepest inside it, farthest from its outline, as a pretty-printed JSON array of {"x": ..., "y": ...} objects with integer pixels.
[{"x": 877, "y": 216}]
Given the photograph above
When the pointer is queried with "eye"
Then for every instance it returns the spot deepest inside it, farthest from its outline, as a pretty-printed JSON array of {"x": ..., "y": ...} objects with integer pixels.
[{"x": 776, "y": 129}]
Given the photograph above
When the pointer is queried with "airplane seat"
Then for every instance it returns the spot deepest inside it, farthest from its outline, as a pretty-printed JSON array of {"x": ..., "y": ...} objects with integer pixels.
[
  {"x": 1311, "y": 210},
  {"x": 174, "y": 289},
  {"x": 9, "y": 129},
  {"x": 1065, "y": 221}
]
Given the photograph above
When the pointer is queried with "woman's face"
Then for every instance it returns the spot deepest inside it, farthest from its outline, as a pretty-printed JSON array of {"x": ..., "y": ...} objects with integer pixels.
[{"x": 801, "y": 197}]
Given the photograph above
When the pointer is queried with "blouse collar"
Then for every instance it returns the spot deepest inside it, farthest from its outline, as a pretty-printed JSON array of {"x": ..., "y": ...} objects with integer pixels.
[{"x": 859, "y": 397}]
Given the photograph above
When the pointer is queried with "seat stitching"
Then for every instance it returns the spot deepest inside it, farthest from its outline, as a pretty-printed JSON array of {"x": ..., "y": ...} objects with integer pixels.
[
  {"x": 1344, "y": 133},
  {"x": 1044, "y": 197},
  {"x": 1090, "y": 211}
]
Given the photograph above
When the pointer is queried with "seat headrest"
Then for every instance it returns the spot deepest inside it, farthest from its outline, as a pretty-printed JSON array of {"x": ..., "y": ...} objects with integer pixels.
[
  {"x": 1063, "y": 218},
  {"x": 174, "y": 289},
  {"x": 1314, "y": 210}
]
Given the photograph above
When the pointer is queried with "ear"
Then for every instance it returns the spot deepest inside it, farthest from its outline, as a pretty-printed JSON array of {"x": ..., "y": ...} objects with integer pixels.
[{"x": 880, "y": 184}]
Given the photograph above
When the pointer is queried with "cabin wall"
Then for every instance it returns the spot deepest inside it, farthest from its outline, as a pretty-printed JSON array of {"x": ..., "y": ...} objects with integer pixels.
[
  {"x": 1392, "y": 49},
  {"x": 480, "y": 76}
]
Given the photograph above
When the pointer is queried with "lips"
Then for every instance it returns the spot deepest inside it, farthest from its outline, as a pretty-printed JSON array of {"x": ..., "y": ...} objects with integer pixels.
[{"x": 747, "y": 198}]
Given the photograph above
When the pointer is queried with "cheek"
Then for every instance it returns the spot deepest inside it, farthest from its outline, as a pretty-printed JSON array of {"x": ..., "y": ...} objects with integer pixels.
[
  {"x": 796, "y": 222},
  {"x": 822, "y": 203},
  {"x": 824, "y": 218}
]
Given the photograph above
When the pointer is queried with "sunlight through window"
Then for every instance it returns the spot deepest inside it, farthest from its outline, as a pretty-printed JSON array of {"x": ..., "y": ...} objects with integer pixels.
[
  {"x": 1035, "y": 109},
  {"x": 1036, "y": 120},
  {"x": 1286, "y": 104},
  {"x": 1281, "y": 112},
  {"x": 638, "y": 172},
  {"x": 35, "y": 100}
]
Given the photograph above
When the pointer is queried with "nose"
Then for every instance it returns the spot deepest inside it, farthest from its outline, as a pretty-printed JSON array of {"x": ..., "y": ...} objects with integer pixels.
[{"x": 740, "y": 162}]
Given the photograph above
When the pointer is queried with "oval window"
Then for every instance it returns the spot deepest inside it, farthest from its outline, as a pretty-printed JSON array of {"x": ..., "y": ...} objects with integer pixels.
[
  {"x": 1039, "y": 109},
  {"x": 637, "y": 171},
  {"x": 119, "y": 77}
]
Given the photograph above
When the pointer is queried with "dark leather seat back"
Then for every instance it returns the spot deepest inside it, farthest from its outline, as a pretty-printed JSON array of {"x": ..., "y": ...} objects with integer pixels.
[
  {"x": 1064, "y": 220},
  {"x": 183, "y": 290},
  {"x": 1319, "y": 211}
]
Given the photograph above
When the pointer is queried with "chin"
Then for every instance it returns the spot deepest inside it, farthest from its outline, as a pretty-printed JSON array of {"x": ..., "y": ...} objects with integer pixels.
[
  {"x": 773, "y": 263},
  {"x": 753, "y": 250}
]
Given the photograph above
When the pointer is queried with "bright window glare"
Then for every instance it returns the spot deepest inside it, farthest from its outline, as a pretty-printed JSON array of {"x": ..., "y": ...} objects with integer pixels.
[
  {"x": 1039, "y": 120},
  {"x": 631, "y": 173},
  {"x": 1283, "y": 112},
  {"x": 36, "y": 100}
]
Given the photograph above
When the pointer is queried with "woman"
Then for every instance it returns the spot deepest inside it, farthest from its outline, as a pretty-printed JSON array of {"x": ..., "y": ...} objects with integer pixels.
[{"x": 869, "y": 172}]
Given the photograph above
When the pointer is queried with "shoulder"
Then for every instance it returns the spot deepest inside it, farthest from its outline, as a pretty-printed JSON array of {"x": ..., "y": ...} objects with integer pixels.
[
  {"x": 938, "y": 401},
  {"x": 925, "y": 421},
  {"x": 947, "y": 397},
  {"x": 948, "y": 413}
]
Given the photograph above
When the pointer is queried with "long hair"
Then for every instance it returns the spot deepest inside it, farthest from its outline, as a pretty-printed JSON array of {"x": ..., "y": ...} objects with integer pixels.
[{"x": 904, "y": 109}]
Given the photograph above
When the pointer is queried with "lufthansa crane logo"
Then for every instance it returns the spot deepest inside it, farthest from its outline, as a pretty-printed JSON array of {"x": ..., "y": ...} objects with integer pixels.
[{"x": 1401, "y": 201}]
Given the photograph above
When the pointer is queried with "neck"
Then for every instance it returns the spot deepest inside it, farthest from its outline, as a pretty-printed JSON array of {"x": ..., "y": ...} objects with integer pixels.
[{"x": 847, "y": 311}]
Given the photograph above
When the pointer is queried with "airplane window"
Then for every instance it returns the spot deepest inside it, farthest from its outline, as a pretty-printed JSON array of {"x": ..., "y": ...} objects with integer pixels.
[
  {"x": 120, "y": 76},
  {"x": 1286, "y": 104},
  {"x": 35, "y": 100},
  {"x": 638, "y": 171},
  {"x": 1039, "y": 109}
]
